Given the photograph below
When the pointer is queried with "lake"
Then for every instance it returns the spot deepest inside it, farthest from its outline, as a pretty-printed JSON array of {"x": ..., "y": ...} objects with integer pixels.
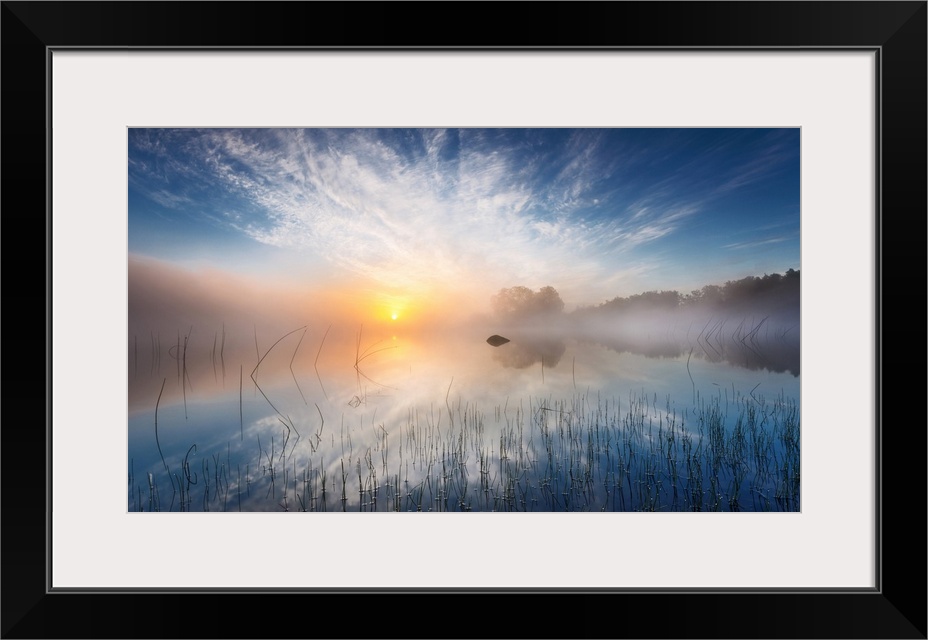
[{"x": 368, "y": 417}]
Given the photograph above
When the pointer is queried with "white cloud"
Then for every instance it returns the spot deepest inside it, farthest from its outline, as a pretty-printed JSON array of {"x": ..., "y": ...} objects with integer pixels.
[
  {"x": 415, "y": 221},
  {"x": 751, "y": 245}
]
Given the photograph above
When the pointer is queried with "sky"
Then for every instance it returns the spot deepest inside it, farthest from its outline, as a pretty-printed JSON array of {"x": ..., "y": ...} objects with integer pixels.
[{"x": 409, "y": 216}]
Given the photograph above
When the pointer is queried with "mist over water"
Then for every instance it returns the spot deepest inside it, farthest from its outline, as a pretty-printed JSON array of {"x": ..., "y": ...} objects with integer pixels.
[{"x": 255, "y": 406}]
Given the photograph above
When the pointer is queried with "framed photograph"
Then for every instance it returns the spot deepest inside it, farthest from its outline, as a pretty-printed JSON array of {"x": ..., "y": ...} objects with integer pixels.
[
  {"x": 398, "y": 253},
  {"x": 301, "y": 291}
]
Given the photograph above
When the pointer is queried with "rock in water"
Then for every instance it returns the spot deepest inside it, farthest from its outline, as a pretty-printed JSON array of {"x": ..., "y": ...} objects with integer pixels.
[{"x": 497, "y": 340}]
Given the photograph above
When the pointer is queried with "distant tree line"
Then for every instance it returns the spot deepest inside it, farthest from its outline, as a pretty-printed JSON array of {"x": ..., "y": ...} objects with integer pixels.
[{"x": 773, "y": 292}]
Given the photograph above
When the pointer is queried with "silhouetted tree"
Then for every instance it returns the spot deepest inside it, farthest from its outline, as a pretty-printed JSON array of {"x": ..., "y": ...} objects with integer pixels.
[
  {"x": 548, "y": 300},
  {"x": 522, "y": 302}
]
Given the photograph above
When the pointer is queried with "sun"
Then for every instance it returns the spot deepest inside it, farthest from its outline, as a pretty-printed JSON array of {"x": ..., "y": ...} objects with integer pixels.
[{"x": 394, "y": 316}]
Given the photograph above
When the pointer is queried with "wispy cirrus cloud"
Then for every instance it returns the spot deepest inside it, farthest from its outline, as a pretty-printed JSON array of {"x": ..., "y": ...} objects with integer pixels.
[
  {"x": 427, "y": 209},
  {"x": 754, "y": 244}
]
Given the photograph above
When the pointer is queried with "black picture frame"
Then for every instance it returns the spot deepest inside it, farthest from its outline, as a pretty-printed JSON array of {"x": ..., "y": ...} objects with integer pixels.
[{"x": 896, "y": 31}]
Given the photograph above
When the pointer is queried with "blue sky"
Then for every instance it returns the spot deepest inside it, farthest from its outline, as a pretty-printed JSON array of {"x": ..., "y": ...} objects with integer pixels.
[{"x": 595, "y": 213}]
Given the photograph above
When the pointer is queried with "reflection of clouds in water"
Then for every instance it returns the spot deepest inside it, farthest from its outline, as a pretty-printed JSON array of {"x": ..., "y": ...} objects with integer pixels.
[{"x": 442, "y": 392}]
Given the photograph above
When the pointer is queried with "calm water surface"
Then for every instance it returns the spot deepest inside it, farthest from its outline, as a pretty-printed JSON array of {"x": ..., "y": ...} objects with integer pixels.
[{"x": 343, "y": 418}]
